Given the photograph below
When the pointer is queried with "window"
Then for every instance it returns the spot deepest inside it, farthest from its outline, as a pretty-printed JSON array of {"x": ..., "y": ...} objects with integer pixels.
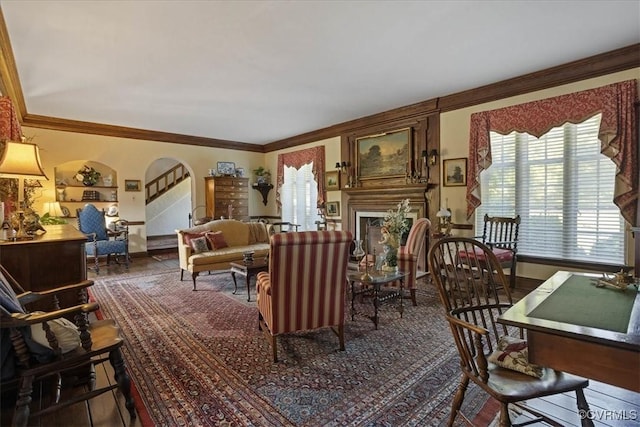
[
  {"x": 562, "y": 187},
  {"x": 299, "y": 195}
]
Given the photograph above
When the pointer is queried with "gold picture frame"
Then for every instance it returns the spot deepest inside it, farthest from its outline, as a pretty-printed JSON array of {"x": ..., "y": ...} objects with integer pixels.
[
  {"x": 454, "y": 172},
  {"x": 333, "y": 209},
  {"x": 386, "y": 155},
  {"x": 132, "y": 185},
  {"x": 332, "y": 180}
]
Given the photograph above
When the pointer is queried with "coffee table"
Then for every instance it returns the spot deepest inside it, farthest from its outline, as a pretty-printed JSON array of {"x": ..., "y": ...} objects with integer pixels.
[
  {"x": 248, "y": 270},
  {"x": 372, "y": 286}
]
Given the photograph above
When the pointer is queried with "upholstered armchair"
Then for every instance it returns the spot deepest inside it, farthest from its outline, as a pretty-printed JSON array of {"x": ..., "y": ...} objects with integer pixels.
[
  {"x": 37, "y": 345},
  {"x": 100, "y": 240},
  {"x": 305, "y": 286},
  {"x": 410, "y": 254}
]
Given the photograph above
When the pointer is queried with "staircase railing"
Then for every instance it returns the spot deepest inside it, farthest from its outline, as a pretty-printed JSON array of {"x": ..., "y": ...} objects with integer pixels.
[{"x": 163, "y": 183}]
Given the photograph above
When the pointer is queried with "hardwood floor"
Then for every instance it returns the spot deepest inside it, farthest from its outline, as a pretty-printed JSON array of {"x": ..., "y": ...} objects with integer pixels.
[{"x": 610, "y": 406}]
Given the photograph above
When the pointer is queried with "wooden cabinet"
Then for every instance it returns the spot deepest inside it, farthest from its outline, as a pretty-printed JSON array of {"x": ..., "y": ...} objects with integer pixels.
[
  {"x": 50, "y": 260},
  {"x": 224, "y": 191}
]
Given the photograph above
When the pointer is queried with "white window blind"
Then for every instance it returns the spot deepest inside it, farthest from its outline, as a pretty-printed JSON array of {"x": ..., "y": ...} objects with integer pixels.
[
  {"x": 299, "y": 195},
  {"x": 562, "y": 188}
]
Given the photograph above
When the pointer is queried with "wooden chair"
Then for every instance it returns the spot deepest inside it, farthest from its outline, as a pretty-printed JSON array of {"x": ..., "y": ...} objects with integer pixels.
[
  {"x": 306, "y": 284},
  {"x": 102, "y": 241},
  {"x": 473, "y": 294},
  {"x": 25, "y": 361},
  {"x": 501, "y": 235}
]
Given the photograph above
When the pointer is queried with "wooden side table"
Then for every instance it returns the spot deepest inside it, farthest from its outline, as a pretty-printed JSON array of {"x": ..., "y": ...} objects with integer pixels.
[{"x": 247, "y": 270}]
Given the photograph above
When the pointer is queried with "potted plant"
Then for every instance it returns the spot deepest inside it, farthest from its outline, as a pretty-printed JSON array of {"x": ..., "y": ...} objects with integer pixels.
[{"x": 263, "y": 176}]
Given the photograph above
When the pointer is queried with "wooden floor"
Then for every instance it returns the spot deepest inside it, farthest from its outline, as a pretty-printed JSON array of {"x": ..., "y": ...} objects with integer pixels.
[{"x": 611, "y": 406}]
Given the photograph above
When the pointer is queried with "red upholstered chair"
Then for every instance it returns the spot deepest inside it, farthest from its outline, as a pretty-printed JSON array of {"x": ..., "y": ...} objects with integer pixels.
[
  {"x": 411, "y": 252},
  {"x": 501, "y": 235},
  {"x": 306, "y": 284}
]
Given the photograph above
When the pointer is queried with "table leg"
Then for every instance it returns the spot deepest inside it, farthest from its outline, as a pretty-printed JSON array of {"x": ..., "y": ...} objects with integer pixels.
[
  {"x": 376, "y": 302},
  {"x": 401, "y": 297},
  {"x": 248, "y": 290},
  {"x": 353, "y": 297},
  {"x": 235, "y": 284}
]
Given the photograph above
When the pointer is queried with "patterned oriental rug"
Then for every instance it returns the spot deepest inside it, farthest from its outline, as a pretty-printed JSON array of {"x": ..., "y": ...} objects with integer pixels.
[{"x": 198, "y": 359}]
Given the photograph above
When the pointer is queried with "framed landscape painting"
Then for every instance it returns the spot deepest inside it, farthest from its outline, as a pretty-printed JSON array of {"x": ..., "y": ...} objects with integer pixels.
[
  {"x": 333, "y": 208},
  {"x": 454, "y": 172},
  {"x": 385, "y": 155},
  {"x": 332, "y": 180}
]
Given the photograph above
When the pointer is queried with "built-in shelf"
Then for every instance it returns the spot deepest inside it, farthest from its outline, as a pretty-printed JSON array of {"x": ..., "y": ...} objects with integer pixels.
[{"x": 264, "y": 190}]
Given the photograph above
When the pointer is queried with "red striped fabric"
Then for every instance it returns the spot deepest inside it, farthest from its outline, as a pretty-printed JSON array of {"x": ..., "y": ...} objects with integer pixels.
[
  {"x": 306, "y": 281},
  {"x": 409, "y": 254}
]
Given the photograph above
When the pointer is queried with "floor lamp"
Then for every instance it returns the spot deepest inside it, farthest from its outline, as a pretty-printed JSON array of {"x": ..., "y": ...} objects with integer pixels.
[{"x": 21, "y": 160}]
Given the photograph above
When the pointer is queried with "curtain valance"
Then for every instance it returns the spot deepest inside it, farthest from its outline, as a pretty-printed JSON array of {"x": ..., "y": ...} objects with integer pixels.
[
  {"x": 297, "y": 159},
  {"x": 618, "y": 135}
]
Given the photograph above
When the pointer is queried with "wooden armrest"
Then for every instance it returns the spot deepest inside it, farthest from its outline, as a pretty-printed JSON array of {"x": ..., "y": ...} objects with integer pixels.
[
  {"x": 27, "y": 297},
  {"x": 25, "y": 319}
]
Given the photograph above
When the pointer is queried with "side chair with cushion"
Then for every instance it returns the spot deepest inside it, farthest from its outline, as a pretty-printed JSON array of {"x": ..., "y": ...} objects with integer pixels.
[
  {"x": 306, "y": 284},
  {"x": 100, "y": 240},
  {"x": 492, "y": 355},
  {"x": 411, "y": 253},
  {"x": 45, "y": 345},
  {"x": 501, "y": 235}
]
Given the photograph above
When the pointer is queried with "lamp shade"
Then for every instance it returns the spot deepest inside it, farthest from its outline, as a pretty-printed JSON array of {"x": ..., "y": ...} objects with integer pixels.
[
  {"x": 53, "y": 209},
  {"x": 443, "y": 213},
  {"x": 21, "y": 160}
]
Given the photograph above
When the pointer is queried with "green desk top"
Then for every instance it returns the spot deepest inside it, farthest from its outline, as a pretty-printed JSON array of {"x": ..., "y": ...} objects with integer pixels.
[{"x": 579, "y": 302}]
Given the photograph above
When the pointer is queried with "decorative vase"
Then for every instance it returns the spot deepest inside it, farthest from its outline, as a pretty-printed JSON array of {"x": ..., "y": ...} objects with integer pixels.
[
  {"x": 88, "y": 182},
  {"x": 358, "y": 252},
  {"x": 391, "y": 244}
]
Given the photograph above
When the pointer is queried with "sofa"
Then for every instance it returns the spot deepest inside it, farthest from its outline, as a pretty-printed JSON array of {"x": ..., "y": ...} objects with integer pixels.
[{"x": 216, "y": 244}]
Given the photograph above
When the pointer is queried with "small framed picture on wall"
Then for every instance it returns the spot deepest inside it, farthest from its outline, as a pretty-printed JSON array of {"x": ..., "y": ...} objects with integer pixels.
[
  {"x": 332, "y": 180},
  {"x": 333, "y": 208},
  {"x": 454, "y": 172}
]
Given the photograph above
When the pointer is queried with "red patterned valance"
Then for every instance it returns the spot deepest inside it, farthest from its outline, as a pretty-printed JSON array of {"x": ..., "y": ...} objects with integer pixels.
[
  {"x": 297, "y": 159},
  {"x": 618, "y": 134},
  {"x": 10, "y": 129}
]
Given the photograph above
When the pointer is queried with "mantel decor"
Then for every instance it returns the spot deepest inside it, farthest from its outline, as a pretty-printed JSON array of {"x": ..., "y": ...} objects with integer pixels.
[{"x": 385, "y": 155}]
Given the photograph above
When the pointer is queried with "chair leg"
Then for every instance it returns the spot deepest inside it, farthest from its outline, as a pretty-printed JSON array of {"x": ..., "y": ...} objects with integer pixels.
[
  {"x": 505, "y": 420},
  {"x": 458, "y": 398},
  {"x": 96, "y": 263},
  {"x": 512, "y": 276},
  {"x": 274, "y": 347},
  {"x": 123, "y": 380},
  {"x": 583, "y": 408},
  {"x": 341, "y": 336},
  {"x": 413, "y": 297},
  {"x": 21, "y": 414}
]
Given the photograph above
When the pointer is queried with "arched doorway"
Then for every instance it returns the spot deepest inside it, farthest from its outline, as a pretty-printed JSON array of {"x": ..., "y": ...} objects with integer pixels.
[{"x": 168, "y": 202}]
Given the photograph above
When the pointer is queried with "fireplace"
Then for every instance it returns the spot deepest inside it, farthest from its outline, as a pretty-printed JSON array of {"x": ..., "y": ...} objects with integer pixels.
[{"x": 366, "y": 208}]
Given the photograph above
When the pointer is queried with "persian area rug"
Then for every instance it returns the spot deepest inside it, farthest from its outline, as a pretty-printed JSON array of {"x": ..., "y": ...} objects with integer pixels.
[{"x": 198, "y": 359}]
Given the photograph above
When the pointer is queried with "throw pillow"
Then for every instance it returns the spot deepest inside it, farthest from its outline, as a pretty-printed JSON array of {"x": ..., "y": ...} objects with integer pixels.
[
  {"x": 188, "y": 236},
  {"x": 199, "y": 244},
  {"x": 216, "y": 240},
  {"x": 513, "y": 353},
  {"x": 65, "y": 331}
]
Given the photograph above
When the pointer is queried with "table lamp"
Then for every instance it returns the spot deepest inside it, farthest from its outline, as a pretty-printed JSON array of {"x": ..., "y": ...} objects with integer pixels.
[{"x": 21, "y": 160}]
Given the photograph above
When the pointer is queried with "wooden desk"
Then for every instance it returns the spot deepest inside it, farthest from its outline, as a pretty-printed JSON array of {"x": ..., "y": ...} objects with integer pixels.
[
  {"x": 602, "y": 355},
  {"x": 50, "y": 260}
]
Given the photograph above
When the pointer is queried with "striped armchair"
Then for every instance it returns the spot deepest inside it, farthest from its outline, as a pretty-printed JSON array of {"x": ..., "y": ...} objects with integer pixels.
[
  {"x": 305, "y": 287},
  {"x": 410, "y": 253}
]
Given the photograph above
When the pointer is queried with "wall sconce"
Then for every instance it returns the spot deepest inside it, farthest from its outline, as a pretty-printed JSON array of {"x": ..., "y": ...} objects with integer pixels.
[
  {"x": 432, "y": 157},
  {"x": 343, "y": 167}
]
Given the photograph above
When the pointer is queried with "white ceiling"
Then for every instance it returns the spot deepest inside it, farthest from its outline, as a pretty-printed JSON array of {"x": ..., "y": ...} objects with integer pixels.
[{"x": 260, "y": 71}]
